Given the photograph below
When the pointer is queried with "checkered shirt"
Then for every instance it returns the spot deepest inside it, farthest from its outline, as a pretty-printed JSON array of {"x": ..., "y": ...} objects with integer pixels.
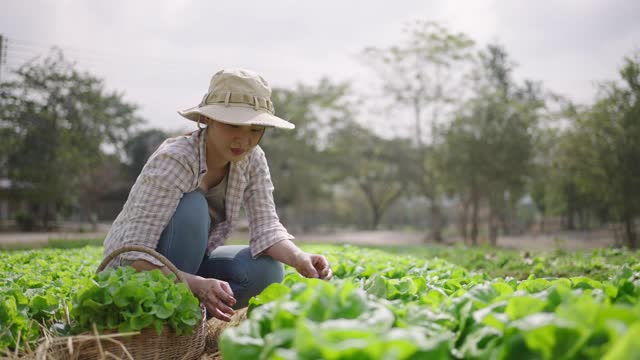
[{"x": 176, "y": 168}]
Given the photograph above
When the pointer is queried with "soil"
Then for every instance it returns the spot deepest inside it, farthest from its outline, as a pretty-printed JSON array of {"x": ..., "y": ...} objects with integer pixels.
[
  {"x": 576, "y": 240},
  {"x": 566, "y": 240}
]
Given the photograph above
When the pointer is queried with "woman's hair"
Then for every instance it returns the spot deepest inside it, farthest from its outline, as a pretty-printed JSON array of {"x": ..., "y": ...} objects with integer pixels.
[{"x": 191, "y": 132}]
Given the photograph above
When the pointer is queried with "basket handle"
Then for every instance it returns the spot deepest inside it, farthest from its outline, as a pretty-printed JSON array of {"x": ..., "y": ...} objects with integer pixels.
[{"x": 145, "y": 250}]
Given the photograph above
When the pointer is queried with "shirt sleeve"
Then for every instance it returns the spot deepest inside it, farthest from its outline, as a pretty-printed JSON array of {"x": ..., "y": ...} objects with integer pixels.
[
  {"x": 264, "y": 225},
  {"x": 153, "y": 201}
]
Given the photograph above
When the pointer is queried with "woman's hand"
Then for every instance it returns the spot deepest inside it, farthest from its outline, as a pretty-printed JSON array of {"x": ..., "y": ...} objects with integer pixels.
[
  {"x": 216, "y": 295},
  {"x": 309, "y": 265},
  {"x": 313, "y": 266}
]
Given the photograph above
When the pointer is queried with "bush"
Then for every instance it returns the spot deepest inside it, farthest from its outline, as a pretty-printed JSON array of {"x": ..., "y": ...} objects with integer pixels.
[{"x": 26, "y": 221}]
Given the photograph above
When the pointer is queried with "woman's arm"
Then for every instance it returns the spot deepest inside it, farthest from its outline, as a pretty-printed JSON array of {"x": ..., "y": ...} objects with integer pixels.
[
  {"x": 264, "y": 224},
  {"x": 268, "y": 236}
]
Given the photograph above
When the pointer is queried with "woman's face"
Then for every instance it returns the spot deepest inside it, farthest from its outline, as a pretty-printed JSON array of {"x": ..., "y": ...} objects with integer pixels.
[{"x": 233, "y": 142}]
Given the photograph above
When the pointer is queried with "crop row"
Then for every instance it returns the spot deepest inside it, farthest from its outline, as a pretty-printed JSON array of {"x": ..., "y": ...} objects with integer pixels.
[
  {"x": 380, "y": 305},
  {"x": 385, "y": 306}
]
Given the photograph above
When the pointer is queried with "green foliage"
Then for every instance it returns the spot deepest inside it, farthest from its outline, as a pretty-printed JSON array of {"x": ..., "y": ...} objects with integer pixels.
[
  {"x": 139, "y": 147},
  {"x": 127, "y": 300},
  {"x": 423, "y": 74},
  {"x": 55, "y": 123},
  {"x": 402, "y": 303},
  {"x": 603, "y": 151},
  {"x": 598, "y": 264},
  {"x": 414, "y": 71},
  {"x": 381, "y": 173},
  {"x": 419, "y": 306},
  {"x": 301, "y": 171},
  {"x": 488, "y": 149},
  {"x": 36, "y": 288},
  {"x": 438, "y": 310},
  {"x": 53, "y": 243},
  {"x": 316, "y": 319},
  {"x": 26, "y": 221}
]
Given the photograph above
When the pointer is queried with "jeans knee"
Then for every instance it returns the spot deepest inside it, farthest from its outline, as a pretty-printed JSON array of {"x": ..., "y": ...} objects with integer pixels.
[
  {"x": 262, "y": 272},
  {"x": 193, "y": 211},
  {"x": 184, "y": 240},
  {"x": 265, "y": 272}
]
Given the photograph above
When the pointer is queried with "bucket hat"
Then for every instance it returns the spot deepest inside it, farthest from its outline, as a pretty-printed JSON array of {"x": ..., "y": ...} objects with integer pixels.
[{"x": 238, "y": 97}]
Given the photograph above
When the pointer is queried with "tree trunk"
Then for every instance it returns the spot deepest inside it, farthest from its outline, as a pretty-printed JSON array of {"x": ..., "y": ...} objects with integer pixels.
[
  {"x": 417, "y": 109},
  {"x": 45, "y": 216},
  {"x": 583, "y": 217},
  {"x": 630, "y": 231},
  {"x": 436, "y": 222},
  {"x": 88, "y": 212},
  {"x": 376, "y": 218},
  {"x": 506, "y": 221},
  {"x": 493, "y": 228},
  {"x": 475, "y": 209},
  {"x": 493, "y": 235},
  {"x": 463, "y": 220},
  {"x": 378, "y": 205},
  {"x": 571, "y": 225}
]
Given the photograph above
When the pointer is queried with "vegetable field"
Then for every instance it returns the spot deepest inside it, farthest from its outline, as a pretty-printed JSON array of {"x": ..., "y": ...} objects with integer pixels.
[{"x": 396, "y": 303}]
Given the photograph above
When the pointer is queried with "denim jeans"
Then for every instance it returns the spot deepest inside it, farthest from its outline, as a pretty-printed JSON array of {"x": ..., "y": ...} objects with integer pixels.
[{"x": 184, "y": 243}]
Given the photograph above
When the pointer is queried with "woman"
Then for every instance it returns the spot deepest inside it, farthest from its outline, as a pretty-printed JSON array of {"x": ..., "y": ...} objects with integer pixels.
[{"x": 188, "y": 196}]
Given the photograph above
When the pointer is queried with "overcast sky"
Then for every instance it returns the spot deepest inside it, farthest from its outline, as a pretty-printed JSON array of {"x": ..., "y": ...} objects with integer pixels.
[{"x": 162, "y": 53}]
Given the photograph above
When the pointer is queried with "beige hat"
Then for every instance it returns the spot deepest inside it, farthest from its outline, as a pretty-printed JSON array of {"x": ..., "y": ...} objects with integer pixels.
[{"x": 238, "y": 97}]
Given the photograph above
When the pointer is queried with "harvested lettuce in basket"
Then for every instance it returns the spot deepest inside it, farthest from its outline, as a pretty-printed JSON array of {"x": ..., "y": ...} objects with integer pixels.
[{"x": 125, "y": 300}]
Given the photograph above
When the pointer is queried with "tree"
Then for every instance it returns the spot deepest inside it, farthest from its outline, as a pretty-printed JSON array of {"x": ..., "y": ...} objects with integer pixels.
[
  {"x": 421, "y": 74},
  {"x": 605, "y": 150},
  {"x": 488, "y": 149},
  {"x": 546, "y": 177},
  {"x": 301, "y": 174},
  {"x": 103, "y": 178},
  {"x": 377, "y": 166},
  {"x": 58, "y": 121},
  {"x": 460, "y": 159},
  {"x": 139, "y": 147}
]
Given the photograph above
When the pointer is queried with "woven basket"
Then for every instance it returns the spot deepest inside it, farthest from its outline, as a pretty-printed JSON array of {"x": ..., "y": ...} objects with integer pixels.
[{"x": 143, "y": 345}]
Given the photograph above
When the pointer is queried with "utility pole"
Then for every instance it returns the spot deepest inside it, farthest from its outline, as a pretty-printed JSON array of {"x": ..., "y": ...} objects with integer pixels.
[{"x": 3, "y": 53}]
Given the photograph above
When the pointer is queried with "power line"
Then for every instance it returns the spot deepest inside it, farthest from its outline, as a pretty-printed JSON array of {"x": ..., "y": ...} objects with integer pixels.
[
  {"x": 39, "y": 50},
  {"x": 117, "y": 55},
  {"x": 31, "y": 55},
  {"x": 18, "y": 54},
  {"x": 40, "y": 46},
  {"x": 3, "y": 54},
  {"x": 20, "y": 51}
]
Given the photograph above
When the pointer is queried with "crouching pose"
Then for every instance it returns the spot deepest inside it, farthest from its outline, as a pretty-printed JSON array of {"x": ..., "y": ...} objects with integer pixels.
[{"x": 188, "y": 196}]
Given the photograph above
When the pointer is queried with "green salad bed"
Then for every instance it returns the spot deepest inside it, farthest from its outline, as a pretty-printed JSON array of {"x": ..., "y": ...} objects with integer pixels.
[{"x": 394, "y": 303}]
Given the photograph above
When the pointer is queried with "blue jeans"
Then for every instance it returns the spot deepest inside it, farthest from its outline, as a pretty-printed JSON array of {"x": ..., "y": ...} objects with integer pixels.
[{"x": 184, "y": 243}]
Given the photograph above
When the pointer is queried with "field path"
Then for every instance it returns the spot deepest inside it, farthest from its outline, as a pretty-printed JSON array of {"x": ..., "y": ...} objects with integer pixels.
[{"x": 565, "y": 240}]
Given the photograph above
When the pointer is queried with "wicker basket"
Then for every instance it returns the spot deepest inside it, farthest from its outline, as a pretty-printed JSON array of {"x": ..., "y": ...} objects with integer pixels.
[{"x": 143, "y": 345}]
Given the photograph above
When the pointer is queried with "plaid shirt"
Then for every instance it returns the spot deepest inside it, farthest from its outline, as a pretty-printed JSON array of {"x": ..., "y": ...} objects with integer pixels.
[{"x": 176, "y": 168}]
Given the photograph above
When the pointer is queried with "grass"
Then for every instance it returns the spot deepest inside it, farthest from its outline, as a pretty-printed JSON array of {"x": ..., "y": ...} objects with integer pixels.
[
  {"x": 53, "y": 244},
  {"x": 598, "y": 264}
]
